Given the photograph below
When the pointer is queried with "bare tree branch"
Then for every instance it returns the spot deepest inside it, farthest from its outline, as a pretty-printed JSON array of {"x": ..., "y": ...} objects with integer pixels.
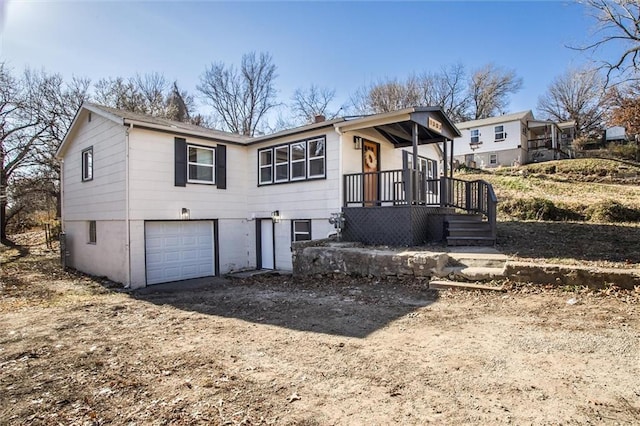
[{"x": 240, "y": 98}]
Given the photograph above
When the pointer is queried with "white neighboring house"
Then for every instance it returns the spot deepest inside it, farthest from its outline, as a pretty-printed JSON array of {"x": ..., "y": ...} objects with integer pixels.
[
  {"x": 512, "y": 139},
  {"x": 148, "y": 200}
]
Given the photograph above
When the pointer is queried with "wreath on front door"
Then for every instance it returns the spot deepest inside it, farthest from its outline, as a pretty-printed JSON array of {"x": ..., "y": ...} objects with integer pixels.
[{"x": 370, "y": 159}]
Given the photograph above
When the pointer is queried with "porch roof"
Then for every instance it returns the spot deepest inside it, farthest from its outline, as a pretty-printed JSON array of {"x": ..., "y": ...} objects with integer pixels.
[{"x": 397, "y": 127}]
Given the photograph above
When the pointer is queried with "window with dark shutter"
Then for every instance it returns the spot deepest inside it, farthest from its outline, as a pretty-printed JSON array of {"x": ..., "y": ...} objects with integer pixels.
[
  {"x": 221, "y": 166},
  {"x": 180, "y": 158}
]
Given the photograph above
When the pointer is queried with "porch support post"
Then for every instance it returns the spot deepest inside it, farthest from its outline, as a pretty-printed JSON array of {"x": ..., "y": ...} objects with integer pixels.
[
  {"x": 451, "y": 163},
  {"x": 415, "y": 146},
  {"x": 444, "y": 190}
]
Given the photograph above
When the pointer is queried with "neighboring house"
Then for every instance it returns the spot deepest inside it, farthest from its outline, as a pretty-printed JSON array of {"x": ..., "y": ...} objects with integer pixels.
[
  {"x": 512, "y": 139},
  {"x": 148, "y": 200},
  {"x": 615, "y": 134}
]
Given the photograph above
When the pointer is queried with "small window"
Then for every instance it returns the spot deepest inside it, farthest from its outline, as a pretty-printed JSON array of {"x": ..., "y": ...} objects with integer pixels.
[
  {"x": 500, "y": 134},
  {"x": 301, "y": 230},
  {"x": 298, "y": 160},
  {"x": 493, "y": 159},
  {"x": 200, "y": 164},
  {"x": 282, "y": 163},
  {"x": 316, "y": 158},
  {"x": 87, "y": 164},
  {"x": 266, "y": 165},
  {"x": 92, "y": 232},
  {"x": 475, "y": 136}
]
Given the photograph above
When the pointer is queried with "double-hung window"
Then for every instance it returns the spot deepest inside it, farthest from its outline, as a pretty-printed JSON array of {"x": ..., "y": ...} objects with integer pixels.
[
  {"x": 201, "y": 164},
  {"x": 265, "y": 162},
  {"x": 298, "y": 160},
  {"x": 316, "y": 158},
  {"x": 301, "y": 230},
  {"x": 493, "y": 159},
  {"x": 500, "y": 134},
  {"x": 87, "y": 164},
  {"x": 282, "y": 163}
]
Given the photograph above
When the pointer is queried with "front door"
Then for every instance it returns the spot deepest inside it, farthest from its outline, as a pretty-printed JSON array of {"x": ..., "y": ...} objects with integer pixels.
[
  {"x": 370, "y": 163},
  {"x": 266, "y": 244}
]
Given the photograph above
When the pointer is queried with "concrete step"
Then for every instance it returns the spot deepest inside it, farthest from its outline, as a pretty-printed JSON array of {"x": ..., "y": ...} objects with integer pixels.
[
  {"x": 478, "y": 259},
  {"x": 458, "y": 285},
  {"x": 472, "y": 273},
  {"x": 471, "y": 241}
]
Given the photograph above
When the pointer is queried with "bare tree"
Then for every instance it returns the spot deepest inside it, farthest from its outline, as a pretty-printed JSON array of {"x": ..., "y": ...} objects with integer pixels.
[
  {"x": 577, "y": 95},
  {"x": 35, "y": 111},
  {"x": 618, "y": 24},
  {"x": 489, "y": 90},
  {"x": 311, "y": 102},
  {"x": 151, "y": 89},
  {"x": 387, "y": 95},
  {"x": 147, "y": 94},
  {"x": 240, "y": 98},
  {"x": 446, "y": 89}
]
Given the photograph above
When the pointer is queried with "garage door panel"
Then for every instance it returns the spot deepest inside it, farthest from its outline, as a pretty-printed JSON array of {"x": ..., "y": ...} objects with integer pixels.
[{"x": 178, "y": 250}]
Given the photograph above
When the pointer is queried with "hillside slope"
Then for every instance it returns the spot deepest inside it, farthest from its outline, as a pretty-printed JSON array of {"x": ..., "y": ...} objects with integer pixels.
[{"x": 604, "y": 191}]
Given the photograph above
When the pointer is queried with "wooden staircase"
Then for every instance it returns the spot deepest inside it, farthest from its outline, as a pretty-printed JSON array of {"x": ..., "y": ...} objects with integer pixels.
[{"x": 468, "y": 230}]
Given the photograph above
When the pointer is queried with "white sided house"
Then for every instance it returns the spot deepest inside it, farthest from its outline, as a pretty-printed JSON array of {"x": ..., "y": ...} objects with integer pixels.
[
  {"x": 511, "y": 140},
  {"x": 148, "y": 200}
]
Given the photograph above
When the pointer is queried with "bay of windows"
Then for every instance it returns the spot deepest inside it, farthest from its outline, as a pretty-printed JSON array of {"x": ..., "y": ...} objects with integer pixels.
[{"x": 300, "y": 160}]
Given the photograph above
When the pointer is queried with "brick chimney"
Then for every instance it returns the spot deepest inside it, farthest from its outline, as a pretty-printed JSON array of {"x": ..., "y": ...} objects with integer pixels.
[{"x": 319, "y": 118}]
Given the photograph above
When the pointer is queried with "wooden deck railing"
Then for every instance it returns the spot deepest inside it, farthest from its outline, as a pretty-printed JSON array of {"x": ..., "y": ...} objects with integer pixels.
[
  {"x": 390, "y": 187},
  {"x": 411, "y": 187},
  {"x": 475, "y": 196}
]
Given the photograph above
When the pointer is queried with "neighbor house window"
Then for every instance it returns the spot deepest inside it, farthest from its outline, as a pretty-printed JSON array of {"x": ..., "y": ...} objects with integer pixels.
[
  {"x": 92, "y": 232},
  {"x": 300, "y": 160},
  {"x": 475, "y": 136},
  {"x": 500, "y": 134},
  {"x": 301, "y": 230},
  {"x": 200, "y": 164},
  {"x": 493, "y": 159},
  {"x": 87, "y": 164}
]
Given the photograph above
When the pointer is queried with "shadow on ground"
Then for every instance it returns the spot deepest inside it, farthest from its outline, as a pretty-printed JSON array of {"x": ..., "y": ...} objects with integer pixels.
[
  {"x": 570, "y": 240},
  {"x": 337, "y": 306}
]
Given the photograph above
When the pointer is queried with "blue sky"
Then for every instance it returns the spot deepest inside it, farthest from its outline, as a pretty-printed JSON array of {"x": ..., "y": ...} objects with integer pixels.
[{"x": 340, "y": 45}]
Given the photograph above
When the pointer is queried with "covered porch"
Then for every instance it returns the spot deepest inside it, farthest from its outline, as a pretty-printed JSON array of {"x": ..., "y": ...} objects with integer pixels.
[{"x": 413, "y": 205}]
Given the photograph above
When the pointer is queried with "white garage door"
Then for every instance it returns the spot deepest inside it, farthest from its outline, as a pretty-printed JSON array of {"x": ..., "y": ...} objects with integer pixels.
[{"x": 178, "y": 250}]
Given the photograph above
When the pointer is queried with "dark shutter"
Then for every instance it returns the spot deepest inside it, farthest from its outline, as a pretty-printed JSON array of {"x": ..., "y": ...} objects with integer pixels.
[
  {"x": 221, "y": 166},
  {"x": 405, "y": 160},
  {"x": 180, "y": 162}
]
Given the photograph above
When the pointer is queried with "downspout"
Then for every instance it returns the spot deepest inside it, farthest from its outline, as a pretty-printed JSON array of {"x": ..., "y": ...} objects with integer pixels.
[
  {"x": 61, "y": 195},
  {"x": 340, "y": 169},
  {"x": 127, "y": 246}
]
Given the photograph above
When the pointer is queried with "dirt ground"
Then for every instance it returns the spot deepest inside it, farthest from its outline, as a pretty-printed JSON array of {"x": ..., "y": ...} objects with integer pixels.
[{"x": 279, "y": 350}]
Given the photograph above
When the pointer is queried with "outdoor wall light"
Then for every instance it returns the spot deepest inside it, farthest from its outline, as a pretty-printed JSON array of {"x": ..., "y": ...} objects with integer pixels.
[
  {"x": 275, "y": 216},
  {"x": 185, "y": 214},
  {"x": 357, "y": 142}
]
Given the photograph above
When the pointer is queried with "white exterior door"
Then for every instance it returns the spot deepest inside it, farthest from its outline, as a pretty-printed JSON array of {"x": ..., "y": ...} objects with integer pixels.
[
  {"x": 266, "y": 243},
  {"x": 179, "y": 250}
]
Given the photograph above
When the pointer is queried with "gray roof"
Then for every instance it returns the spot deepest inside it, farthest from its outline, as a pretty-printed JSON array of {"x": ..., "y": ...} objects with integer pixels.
[
  {"x": 129, "y": 116},
  {"x": 494, "y": 120}
]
